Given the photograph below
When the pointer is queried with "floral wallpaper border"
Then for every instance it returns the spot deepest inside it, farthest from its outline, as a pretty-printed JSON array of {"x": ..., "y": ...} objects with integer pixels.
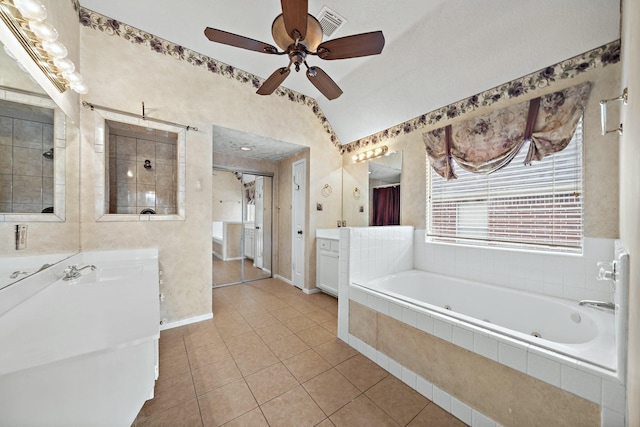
[
  {"x": 601, "y": 56},
  {"x": 598, "y": 57},
  {"x": 109, "y": 26}
]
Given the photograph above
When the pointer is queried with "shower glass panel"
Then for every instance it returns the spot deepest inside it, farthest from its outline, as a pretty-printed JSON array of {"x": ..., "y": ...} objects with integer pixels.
[{"x": 242, "y": 215}]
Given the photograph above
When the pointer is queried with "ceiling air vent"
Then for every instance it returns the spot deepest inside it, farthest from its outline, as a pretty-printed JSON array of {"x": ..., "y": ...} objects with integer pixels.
[{"x": 330, "y": 21}]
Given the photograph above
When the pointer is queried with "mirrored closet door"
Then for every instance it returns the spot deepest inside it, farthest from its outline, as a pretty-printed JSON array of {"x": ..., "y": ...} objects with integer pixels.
[{"x": 242, "y": 227}]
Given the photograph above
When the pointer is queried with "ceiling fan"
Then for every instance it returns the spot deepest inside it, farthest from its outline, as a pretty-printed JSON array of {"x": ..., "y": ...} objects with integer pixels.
[{"x": 299, "y": 35}]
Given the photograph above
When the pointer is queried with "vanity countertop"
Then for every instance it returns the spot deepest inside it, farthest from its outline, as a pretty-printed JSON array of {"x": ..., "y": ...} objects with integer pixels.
[{"x": 328, "y": 233}]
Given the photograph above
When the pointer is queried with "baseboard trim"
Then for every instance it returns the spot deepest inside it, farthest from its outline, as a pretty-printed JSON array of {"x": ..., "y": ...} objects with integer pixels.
[
  {"x": 311, "y": 291},
  {"x": 188, "y": 321},
  {"x": 284, "y": 279}
]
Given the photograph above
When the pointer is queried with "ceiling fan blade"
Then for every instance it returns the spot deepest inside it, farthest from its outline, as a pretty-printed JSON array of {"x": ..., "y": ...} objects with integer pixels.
[
  {"x": 352, "y": 46},
  {"x": 235, "y": 40},
  {"x": 273, "y": 81},
  {"x": 295, "y": 13},
  {"x": 323, "y": 83}
]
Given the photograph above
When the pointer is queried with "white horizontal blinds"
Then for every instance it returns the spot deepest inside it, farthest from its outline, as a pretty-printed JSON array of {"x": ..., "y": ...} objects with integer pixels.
[{"x": 537, "y": 205}]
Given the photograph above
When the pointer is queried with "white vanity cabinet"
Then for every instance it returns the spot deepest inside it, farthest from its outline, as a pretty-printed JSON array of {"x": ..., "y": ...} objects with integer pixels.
[
  {"x": 327, "y": 264},
  {"x": 249, "y": 243}
]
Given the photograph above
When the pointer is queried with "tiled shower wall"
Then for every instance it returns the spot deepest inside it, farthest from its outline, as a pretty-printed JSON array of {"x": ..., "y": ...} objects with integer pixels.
[
  {"x": 560, "y": 275},
  {"x": 132, "y": 187},
  {"x": 26, "y": 177}
]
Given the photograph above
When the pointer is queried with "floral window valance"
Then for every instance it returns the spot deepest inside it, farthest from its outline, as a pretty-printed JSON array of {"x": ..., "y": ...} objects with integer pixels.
[{"x": 486, "y": 143}]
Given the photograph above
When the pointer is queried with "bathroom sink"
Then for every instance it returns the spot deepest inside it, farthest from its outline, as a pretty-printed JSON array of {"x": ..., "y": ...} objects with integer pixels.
[{"x": 117, "y": 273}]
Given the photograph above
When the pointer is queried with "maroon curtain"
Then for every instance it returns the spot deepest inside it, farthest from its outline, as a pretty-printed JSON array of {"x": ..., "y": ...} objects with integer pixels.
[{"x": 386, "y": 206}]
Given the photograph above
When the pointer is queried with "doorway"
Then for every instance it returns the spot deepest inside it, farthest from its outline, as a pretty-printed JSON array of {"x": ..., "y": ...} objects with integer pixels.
[{"x": 241, "y": 227}]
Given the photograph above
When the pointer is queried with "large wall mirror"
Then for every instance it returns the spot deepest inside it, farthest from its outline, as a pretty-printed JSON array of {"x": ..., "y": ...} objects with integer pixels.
[
  {"x": 242, "y": 227},
  {"x": 384, "y": 189},
  {"x": 33, "y": 173},
  {"x": 32, "y": 149},
  {"x": 371, "y": 190}
]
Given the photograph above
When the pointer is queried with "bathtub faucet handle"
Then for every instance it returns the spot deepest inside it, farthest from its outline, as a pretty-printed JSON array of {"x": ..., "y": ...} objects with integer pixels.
[{"x": 73, "y": 272}]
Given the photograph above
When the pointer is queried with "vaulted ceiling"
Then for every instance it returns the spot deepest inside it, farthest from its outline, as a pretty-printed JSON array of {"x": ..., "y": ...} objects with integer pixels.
[{"x": 437, "y": 51}]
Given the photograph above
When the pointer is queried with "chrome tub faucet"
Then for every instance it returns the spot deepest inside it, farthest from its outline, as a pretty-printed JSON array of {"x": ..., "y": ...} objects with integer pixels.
[
  {"x": 73, "y": 272},
  {"x": 600, "y": 304}
]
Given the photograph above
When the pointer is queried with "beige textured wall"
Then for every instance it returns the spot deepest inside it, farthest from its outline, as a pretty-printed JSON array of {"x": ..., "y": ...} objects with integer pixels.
[
  {"x": 189, "y": 95},
  {"x": 600, "y": 160},
  {"x": 630, "y": 194}
]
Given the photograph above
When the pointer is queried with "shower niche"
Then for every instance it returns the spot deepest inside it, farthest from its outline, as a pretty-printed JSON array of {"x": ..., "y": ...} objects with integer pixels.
[{"x": 144, "y": 169}]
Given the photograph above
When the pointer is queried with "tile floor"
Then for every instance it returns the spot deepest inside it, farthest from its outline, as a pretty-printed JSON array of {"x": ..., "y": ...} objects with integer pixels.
[
  {"x": 225, "y": 272},
  {"x": 270, "y": 357}
]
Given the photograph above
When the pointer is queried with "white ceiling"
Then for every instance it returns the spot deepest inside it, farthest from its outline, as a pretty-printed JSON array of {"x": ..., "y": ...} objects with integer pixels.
[{"x": 437, "y": 51}]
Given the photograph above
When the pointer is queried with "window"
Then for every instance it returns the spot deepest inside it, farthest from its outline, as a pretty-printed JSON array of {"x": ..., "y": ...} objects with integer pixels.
[{"x": 537, "y": 206}]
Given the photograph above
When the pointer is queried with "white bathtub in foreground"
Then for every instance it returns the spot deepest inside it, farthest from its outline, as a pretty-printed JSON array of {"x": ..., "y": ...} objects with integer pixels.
[
  {"x": 555, "y": 324},
  {"x": 81, "y": 352}
]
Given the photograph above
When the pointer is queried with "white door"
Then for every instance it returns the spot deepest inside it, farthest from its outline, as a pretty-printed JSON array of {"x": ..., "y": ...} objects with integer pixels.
[
  {"x": 258, "y": 261},
  {"x": 298, "y": 199}
]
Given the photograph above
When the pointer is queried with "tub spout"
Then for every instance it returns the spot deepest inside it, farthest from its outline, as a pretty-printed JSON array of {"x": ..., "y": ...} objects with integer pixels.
[
  {"x": 73, "y": 272},
  {"x": 600, "y": 304}
]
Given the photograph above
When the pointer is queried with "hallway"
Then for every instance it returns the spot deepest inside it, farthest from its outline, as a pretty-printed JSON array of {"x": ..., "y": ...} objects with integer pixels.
[{"x": 270, "y": 357}]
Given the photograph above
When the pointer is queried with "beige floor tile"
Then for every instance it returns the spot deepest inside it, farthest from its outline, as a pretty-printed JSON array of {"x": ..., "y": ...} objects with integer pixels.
[
  {"x": 335, "y": 351},
  {"x": 170, "y": 345},
  {"x": 185, "y": 414},
  {"x": 273, "y": 332},
  {"x": 314, "y": 335},
  {"x": 433, "y": 415},
  {"x": 176, "y": 364},
  {"x": 323, "y": 300},
  {"x": 253, "y": 418},
  {"x": 226, "y": 317},
  {"x": 210, "y": 353},
  {"x": 331, "y": 391},
  {"x": 320, "y": 316},
  {"x": 247, "y": 342},
  {"x": 200, "y": 337},
  {"x": 305, "y": 307},
  {"x": 288, "y": 346},
  {"x": 397, "y": 399},
  {"x": 169, "y": 393},
  {"x": 256, "y": 360},
  {"x": 294, "y": 408},
  {"x": 271, "y": 382},
  {"x": 306, "y": 365},
  {"x": 285, "y": 313},
  {"x": 233, "y": 329},
  {"x": 362, "y": 412},
  {"x": 252, "y": 310},
  {"x": 299, "y": 323},
  {"x": 331, "y": 326},
  {"x": 326, "y": 423},
  {"x": 362, "y": 372},
  {"x": 215, "y": 375},
  {"x": 262, "y": 320},
  {"x": 226, "y": 403}
]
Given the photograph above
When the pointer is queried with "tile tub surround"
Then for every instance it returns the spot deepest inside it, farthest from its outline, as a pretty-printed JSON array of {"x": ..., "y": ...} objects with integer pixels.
[
  {"x": 475, "y": 383},
  {"x": 596, "y": 386}
]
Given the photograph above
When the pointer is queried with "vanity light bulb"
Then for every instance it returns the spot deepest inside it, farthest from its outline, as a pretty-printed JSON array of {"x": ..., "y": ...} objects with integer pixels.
[
  {"x": 55, "y": 49},
  {"x": 73, "y": 77},
  {"x": 80, "y": 88},
  {"x": 354, "y": 158},
  {"x": 31, "y": 9},
  {"x": 65, "y": 65},
  {"x": 43, "y": 31}
]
